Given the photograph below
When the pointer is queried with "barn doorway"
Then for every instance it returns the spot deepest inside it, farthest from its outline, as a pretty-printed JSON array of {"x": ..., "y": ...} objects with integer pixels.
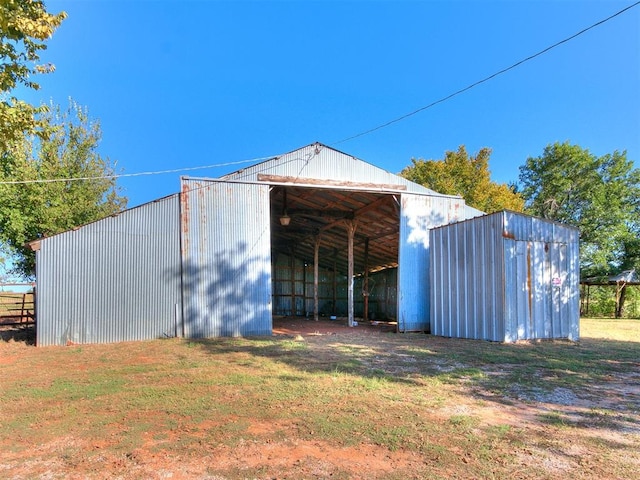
[{"x": 334, "y": 255}]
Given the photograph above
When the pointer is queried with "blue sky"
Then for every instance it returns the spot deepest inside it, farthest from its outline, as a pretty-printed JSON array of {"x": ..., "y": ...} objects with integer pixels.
[{"x": 178, "y": 84}]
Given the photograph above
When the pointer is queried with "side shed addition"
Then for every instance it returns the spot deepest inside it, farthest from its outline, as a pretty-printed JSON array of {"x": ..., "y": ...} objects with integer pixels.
[{"x": 505, "y": 277}]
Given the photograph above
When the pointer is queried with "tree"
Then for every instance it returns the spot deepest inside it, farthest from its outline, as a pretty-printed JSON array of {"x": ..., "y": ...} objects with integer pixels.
[
  {"x": 467, "y": 176},
  {"x": 25, "y": 25},
  {"x": 49, "y": 201},
  {"x": 599, "y": 195}
]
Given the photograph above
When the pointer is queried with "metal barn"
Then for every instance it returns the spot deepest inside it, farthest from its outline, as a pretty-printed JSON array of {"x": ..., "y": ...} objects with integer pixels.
[
  {"x": 505, "y": 277},
  {"x": 293, "y": 235}
]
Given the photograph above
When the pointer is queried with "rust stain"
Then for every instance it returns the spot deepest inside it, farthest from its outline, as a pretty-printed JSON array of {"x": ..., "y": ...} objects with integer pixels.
[
  {"x": 510, "y": 235},
  {"x": 184, "y": 209}
]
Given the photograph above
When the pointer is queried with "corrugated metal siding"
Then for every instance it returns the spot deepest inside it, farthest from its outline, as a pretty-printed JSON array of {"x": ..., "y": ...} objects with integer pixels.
[
  {"x": 117, "y": 279},
  {"x": 523, "y": 272},
  {"x": 418, "y": 215},
  {"x": 463, "y": 258},
  {"x": 226, "y": 259},
  {"x": 322, "y": 162},
  {"x": 470, "y": 212}
]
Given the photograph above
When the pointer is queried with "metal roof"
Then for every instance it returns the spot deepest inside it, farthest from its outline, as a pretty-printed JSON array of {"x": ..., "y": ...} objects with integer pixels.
[
  {"x": 630, "y": 277},
  {"x": 325, "y": 188}
]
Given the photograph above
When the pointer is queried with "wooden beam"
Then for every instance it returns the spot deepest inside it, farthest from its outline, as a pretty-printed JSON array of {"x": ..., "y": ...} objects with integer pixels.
[
  {"x": 316, "y": 275},
  {"x": 351, "y": 226},
  {"x": 292, "y": 279},
  {"x": 365, "y": 282},
  {"x": 326, "y": 182}
]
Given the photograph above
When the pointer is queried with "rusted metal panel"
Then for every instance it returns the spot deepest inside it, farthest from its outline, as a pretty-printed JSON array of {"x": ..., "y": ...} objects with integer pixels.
[
  {"x": 519, "y": 274},
  {"x": 317, "y": 161},
  {"x": 418, "y": 215},
  {"x": 117, "y": 279},
  {"x": 226, "y": 256}
]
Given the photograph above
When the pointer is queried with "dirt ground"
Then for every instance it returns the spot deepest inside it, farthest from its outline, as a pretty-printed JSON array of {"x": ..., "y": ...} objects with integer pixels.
[
  {"x": 303, "y": 456},
  {"x": 325, "y": 326}
]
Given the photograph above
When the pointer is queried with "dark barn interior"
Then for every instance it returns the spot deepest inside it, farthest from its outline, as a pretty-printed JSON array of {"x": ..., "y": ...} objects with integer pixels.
[{"x": 312, "y": 225}]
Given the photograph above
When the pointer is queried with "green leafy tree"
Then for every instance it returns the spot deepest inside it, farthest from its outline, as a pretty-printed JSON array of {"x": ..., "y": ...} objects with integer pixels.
[
  {"x": 25, "y": 25},
  {"x": 48, "y": 201},
  {"x": 465, "y": 175},
  {"x": 599, "y": 195}
]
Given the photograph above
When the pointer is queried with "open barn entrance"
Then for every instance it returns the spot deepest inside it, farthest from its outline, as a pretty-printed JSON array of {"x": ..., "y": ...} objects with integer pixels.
[{"x": 334, "y": 255}]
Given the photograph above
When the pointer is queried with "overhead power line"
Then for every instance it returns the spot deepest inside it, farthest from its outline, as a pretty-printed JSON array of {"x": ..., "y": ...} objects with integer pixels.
[
  {"x": 139, "y": 174},
  {"x": 486, "y": 79}
]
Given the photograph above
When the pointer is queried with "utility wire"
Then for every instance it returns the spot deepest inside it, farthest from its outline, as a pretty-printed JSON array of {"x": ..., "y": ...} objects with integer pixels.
[
  {"x": 444, "y": 99},
  {"x": 139, "y": 174}
]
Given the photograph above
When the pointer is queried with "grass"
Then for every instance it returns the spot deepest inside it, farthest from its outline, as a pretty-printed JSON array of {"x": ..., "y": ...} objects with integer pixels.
[{"x": 440, "y": 408}]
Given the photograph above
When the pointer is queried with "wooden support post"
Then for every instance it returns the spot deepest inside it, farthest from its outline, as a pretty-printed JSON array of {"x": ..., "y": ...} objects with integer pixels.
[
  {"x": 588, "y": 291},
  {"x": 316, "y": 274},
  {"x": 365, "y": 281},
  {"x": 335, "y": 281},
  {"x": 292, "y": 279},
  {"x": 351, "y": 231}
]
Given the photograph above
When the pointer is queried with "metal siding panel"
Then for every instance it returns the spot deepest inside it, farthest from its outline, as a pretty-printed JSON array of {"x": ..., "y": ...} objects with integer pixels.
[
  {"x": 113, "y": 280},
  {"x": 226, "y": 259},
  {"x": 552, "y": 311},
  {"x": 540, "y": 296},
  {"x": 470, "y": 212},
  {"x": 476, "y": 267},
  {"x": 511, "y": 290},
  {"x": 418, "y": 215},
  {"x": 440, "y": 325},
  {"x": 322, "y": 162},
  {"x": 510, "y": 261},
  {"x": 572, "y": 289},
  {"x": 523, "y": 320},
  {"x": 497, "y": 332},
  {"x": 445, "y": 287}
]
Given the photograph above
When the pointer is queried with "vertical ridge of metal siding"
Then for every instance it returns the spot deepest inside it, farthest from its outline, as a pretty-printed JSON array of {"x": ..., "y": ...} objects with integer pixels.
[{"x": 113, "y": 280}]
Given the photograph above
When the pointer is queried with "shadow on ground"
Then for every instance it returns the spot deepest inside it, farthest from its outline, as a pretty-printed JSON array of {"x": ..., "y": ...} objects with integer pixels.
[
  {"x": 18, "y": 333},
  {"x": 591, "y": 384}
]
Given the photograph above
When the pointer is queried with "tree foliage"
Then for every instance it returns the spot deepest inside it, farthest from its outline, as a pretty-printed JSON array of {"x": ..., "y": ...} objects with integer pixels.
[
  {"x": 55, "y": 203},
  {"x": 465, "y": 175},
  {"x": 599, "y": 195},
  {"x": 25, "y": 25}
]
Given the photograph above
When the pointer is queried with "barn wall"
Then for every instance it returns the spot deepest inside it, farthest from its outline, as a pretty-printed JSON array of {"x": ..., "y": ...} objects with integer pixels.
[
  {"x": 467, "y": 278},
  {"x": 505, "y": 277},
  {"x": 544, "y": 273},
  {"x": 226, "y": 254},
  {"x": 419, "y": 214},
  {"x": 113, "y": 280}
]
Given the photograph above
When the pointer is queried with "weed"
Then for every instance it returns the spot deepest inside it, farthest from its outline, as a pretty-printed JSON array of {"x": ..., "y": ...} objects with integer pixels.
[{"x": 556, "y": 419}]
